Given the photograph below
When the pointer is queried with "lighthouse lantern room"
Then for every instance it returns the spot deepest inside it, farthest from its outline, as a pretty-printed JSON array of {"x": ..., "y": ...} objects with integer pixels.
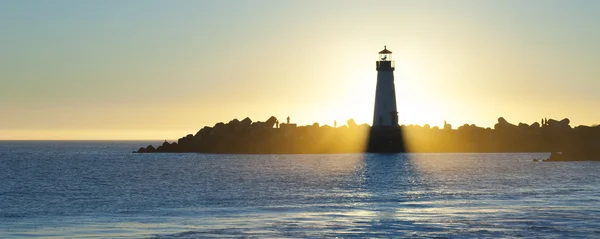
[{"x": 385, "y": 54}]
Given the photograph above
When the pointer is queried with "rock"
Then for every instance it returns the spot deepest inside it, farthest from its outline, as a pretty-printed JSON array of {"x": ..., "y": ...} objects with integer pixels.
[
  {"x": 351, "y": 124},
  {"x": 464, "y": 127},
  {"x": 203, "y": 132},
  {"x": 233, "y": 122},
  {"x": 523, "y": 126},
  {"x": 504, "y": 125},
  {"x": 141, "y": 150},
  {"x": 150, "y": 149},
  {"x": 219, "y": 125},
  {"x": 501, "y": 120},
  {"x": 270, "y": 123},
  {"x": 552, "y": 122},
  {"x": 562, "y": 125},
  {"x": 246, "y": 121}
]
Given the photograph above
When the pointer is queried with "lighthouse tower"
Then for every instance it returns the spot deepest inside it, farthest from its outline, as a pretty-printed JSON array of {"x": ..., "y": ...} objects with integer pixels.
[{"x": 385, "y": 113}]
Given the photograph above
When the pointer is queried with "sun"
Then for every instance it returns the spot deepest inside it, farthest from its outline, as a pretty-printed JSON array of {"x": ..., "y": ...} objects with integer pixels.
[{"x": 351, "y": 90}]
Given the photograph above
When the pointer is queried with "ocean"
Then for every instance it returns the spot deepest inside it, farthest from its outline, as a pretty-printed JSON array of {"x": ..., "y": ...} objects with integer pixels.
[{"x": 99, "y": 189}]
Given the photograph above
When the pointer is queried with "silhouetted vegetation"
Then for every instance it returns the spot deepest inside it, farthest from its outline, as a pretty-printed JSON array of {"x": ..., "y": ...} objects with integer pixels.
[{"x": 249, "y": 137}]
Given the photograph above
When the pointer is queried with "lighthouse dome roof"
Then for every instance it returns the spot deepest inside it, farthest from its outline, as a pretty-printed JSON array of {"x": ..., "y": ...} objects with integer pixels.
[{"x": 385, "y": 51}]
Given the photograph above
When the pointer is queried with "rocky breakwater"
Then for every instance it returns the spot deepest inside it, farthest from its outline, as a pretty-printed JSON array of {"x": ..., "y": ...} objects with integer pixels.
[
  {"x": 548, "y": 135},
  {"x": 270, "y": 137},
  {"x": 263, "y": 137}
]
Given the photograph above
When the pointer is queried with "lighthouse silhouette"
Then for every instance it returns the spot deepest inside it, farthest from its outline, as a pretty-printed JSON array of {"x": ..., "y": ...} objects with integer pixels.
[
  {"x": 385, "y": 113},
  {"x": 385, "y": 136}
]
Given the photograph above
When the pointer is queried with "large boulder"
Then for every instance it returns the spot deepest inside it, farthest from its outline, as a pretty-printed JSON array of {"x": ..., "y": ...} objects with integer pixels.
[
  {"x": 463, "y": 127},
  {"x": 203, "y": 132},
  {"x": 523, "y": 126},
  {"x": 246, "y": 121},
  {"x": 504, "y": 125},
  {"x": 552, "y": 122},
  {"x": 166, "y": 144},
  {"x": 188, "y": 138},
  {"x": 351, "y": 124},
  {"x": 243, "y": 126},
  {"x": 563, "y": 124},
  {"x": 219, "y": 125},
  {"x": 233, "y": 122},
  {"x": 501, "y": 120},
  {"x": 150, "y": 149},
  {"x": 270, "y": 123}
]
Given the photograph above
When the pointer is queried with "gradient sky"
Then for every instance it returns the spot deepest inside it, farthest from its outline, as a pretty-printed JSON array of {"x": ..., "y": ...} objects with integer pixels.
[{"x": 162, "y": 69}]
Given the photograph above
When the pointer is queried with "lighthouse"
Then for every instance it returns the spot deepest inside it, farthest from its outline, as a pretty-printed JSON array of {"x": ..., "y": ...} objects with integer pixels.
[
  {"x": 385, "y": 113},
  {"x": 385, "y": 136}
]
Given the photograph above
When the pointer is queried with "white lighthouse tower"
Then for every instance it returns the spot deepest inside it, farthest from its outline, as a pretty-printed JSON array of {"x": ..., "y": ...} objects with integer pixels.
[{"x": 385, "y": 113}]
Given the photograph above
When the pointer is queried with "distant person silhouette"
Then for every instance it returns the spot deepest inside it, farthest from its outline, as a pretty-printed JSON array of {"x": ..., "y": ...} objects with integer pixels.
[
  {"x": 288, "y": 120},
  {"x": 335, "y": 124}
]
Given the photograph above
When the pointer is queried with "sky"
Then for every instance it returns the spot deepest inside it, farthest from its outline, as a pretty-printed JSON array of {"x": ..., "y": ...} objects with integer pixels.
[{"x": 145, "y": 69}]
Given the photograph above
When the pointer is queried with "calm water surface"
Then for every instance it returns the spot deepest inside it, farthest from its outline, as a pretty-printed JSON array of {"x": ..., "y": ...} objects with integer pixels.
[{"x": 100, "y": 190}]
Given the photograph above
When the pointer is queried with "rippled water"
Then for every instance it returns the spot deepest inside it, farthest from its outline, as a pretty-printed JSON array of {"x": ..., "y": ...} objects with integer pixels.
[{"x": 100, "y": 189}]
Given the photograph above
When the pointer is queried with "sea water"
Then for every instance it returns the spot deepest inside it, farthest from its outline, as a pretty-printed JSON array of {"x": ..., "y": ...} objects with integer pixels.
[{"x": 85, "y": 189}]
